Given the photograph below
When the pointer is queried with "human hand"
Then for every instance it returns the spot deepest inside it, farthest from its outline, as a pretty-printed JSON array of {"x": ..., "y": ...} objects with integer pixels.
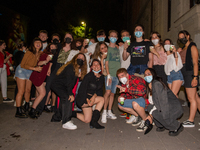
[
  {"x": 49, "y": 58},
  {"x": 122, "y": 89},
  {"x": 10, "y": 55},
  {"x": 125, "y": 46},
  {"x": 71, "y": 98},
  {"x": 194, "y": 82},
  {"x": 149, "y": 117},
  {"x": 38, "y": 69}
]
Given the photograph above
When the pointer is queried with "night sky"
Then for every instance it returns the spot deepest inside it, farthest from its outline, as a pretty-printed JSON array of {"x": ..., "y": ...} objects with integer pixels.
[{"x": 55, "y": 15}]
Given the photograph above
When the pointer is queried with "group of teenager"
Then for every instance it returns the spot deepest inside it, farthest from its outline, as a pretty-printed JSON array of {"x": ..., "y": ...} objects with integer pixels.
[{"x": 147, "y": 72}]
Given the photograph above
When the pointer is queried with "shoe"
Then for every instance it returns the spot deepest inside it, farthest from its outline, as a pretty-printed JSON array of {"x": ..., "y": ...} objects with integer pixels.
[
  {"x": 123, "y": 115},
  {"x": 185, "y": 103},
  {"x": 132, "y": 119},
  {"x": 46, "y": 109},
  {"x": 94, "y": 121},
  {"x": 188, "y": 124},
  {"x": 176, "y": 132},
  {"x": 141, "y": 127},
  {"x": 137, "y": 121},
  {"x": 53, "y": 109},
  {"x": 33, "y": 114},
  {"x": 104, "y": 118},
  {"x": 26, "y": 107},
  {"x": 69, "y": 125},
  {"x": 160, "y": 129},
  {"x": 8, "y": 100},
  {"x": 19, "y": 113},
  {"x": 111, "y": 116}
]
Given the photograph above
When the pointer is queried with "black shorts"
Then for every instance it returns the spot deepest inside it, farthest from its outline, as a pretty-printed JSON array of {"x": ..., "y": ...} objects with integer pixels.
[{"x": 188, "y": 77}]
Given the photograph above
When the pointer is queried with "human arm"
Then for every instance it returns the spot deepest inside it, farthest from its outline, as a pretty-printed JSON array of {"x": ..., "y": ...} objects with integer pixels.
[
  {"x": 195, "y": 56},
  {"x": 49, "y": 69},
  {"x": 7, "y": 58},
  {"x": 44, "y": 62},
  {"x": 125, "y": 54},
  {"x": 150, "y": 63}
]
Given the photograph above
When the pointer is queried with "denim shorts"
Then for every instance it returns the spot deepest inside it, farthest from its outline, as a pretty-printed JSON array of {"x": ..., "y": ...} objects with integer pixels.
[
  {"x": 128, "y": 102},
  {"x": 136, "y": 69},
  {"x": 22, "y": 73},
  {"x": 175, "y": 76},
  {"x": 113, "y": 85}
]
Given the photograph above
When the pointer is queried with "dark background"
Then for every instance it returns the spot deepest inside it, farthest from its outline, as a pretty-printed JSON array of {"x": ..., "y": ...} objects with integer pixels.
[{"x": 56, "y": 15}]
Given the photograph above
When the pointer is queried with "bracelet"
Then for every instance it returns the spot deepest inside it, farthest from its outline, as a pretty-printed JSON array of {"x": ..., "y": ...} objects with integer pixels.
[{"x": 193, "y": 76}]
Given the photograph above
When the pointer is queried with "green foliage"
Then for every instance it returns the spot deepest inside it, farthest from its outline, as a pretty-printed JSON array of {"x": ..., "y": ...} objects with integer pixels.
[{"x": 79, "y": 31}]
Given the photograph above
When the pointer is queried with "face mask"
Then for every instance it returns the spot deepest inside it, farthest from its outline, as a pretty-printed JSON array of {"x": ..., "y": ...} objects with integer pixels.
[
  {"x": 90, "y": 43},
  {"x": 101, "y": 39},
  {"x": 80, "y": 62},
  {"x": 167, "y": 47},
  {"x": 68, "y": 40},
  {"x": 155, "y": 41},
  {"x": 183, "y": 40},
  {"x": 79, "y": 47},
  {"x": 96, "y": 71},
  {"x": 53, "y": 51},
  {"x": 123, "y": 80},
  {"x": 55, "y": 41},
  {"x": 138, "y": 34},
  {"x": 113, "y": 39},
  {"x": 124, "y": 39},
  {"x": 148, "y": 79}
]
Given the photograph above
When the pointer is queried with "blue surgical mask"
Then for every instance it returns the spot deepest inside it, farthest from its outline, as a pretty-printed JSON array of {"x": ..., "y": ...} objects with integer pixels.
[
  {"x": 138, "y": 34},
  {"x": 124, "y": 39},
  {"x": 101, "y": 39},
  {"x": 113, "y": 39},
  {"x": 96, "y": 71},
  {"x": 90, "y": 43},
  {"x": 148, "y": 79}
]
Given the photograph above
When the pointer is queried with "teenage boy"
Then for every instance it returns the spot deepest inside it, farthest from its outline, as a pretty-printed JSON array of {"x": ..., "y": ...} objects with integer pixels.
[
  {"x": 112, "y": 64},
  {"x": 139, "y": 51},
  {"x": 101, "y": 36},
  {"x": 43, "y": 35},
  {"x": 133, "y": 90}
]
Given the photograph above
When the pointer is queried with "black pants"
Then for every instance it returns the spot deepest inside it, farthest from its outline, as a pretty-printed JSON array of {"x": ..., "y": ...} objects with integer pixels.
[
  {"x": 64, "y": 112},
  {"x": 49, "y": 80}
]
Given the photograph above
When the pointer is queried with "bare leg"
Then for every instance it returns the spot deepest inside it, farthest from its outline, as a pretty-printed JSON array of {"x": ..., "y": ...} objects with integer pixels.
[
  {"x": 128, "y": 110},
  {"x": 111, "y": 101},
  {"x": 53, "y": 96},
  {"x": 48, "y": 98},
  {"x": 27, "y": 90},
  {"x": 191, "y": 94},
  {"x": 140, "y": 110},
  {"x": 106, "y": 98},
  {"x": 41, "y": 90},
  {"x": 176, "y": 85},
  {"x": 21, "y": 88},
  {"x": 87, "y": 114},
  {"x": 99, "y": 101}
]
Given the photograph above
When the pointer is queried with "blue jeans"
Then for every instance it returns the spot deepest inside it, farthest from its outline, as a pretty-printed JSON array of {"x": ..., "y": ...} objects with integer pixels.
[
  {"x": 113, "y": 85},
  {"x": 132, "y": 69},
  {"x": 128, "y": 102}
]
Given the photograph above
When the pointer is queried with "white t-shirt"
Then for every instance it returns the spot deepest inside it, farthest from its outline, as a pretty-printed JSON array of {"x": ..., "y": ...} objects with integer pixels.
[
  {"x": 171, "y": 65},
  {"x": 92, "y": 47},
  {"x": 71, "y": 55},
  {"x": 124, "y": 64}
]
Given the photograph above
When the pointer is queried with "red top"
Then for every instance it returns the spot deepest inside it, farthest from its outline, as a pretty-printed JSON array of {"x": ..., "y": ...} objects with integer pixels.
[
  {"x": 1, "y": 60},
  {"x": 38, "y": 78},
  {"x": 136, "y": 88}
]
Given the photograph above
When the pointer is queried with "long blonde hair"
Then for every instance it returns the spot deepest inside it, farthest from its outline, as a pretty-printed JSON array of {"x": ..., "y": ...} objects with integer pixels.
[
  {"x": 76, "y": 66},
  {"x": 97, "y": 52}
]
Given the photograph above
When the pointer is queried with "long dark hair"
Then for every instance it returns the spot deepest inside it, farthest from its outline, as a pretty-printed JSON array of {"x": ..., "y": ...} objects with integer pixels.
[
  {"x": 32, "y": 48},
  {"x": 185, "y": 33},
  {"x": 98, "y": 62},
  {"x": 47, "y": 50},
  {"x": 97, "y": 52},
  {"x": 159, "y": 36},
  {"x": 63, "y": 43},
  {"x": 155, "y": 77}
]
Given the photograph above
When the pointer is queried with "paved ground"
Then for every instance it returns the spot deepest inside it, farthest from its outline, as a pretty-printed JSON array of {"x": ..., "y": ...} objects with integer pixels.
[{"x": 41, "y": 134}]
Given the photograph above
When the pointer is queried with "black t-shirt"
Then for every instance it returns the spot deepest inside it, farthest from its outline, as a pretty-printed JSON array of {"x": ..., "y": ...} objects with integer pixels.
[{"x": 139, "y": 52}]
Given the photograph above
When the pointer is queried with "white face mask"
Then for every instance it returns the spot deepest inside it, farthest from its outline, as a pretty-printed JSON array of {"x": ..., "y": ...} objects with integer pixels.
[
  {"x": 167, "y": 47},
  {"x": 123, "y": 80},
  {"x": 155, "y": 42}
]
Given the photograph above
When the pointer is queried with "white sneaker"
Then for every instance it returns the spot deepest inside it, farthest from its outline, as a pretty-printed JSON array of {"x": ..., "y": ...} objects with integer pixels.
[
  {"x": 132, "y": 119},
  {"x": 104, "y": 118},
  {"x": 69, "y": 125},
  {"x": 111, "y": 116}
]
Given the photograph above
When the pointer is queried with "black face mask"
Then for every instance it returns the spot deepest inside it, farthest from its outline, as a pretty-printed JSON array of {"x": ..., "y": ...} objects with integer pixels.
[
  {"x": 55, "y": 41},
  {"x": 68, "y": 40},
  {"x": 79, "y": 47},
  {"x": 53, "y": 51},
  {"x": 183, "y": 40},
  {"x": 80, "y": 62}
]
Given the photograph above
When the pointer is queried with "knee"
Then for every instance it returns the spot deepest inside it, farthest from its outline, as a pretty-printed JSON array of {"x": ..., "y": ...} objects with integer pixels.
[
  {"x": 108, "y": 92},
  {"x": 102, "y": 100},
  {"x": 43, "y": 94},
  {"x": 20, "y": 91},
  {"x": 135, "y": 105},
  {"x": 87, "y": 120}
]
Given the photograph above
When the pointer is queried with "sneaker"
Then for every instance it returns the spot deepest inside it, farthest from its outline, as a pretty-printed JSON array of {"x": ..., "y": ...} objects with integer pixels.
[
  {"x": 132, "y": 119},
  {"x": 137, "y": 121},
  {"x": 141, "y": 127},
  {"x": 8, "y": 100},
  {"x": 123, "y": 115},
  {"x": 185, "y": 103},
  {"x": 111, "y": 116},
  {"x": 188, "y": 124},
  {"x": 176, "y": 132},
  {"x": 104, "y": 118},
  {"x": 69, "y": 125}
]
